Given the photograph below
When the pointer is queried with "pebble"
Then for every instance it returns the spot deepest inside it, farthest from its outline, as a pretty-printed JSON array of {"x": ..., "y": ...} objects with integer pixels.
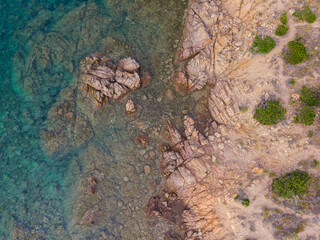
[
  {"x": 221, "y": 146},
  {"x": 147, "y": 169},
  {"x": 126, "y": 179},
  {"x": 184, "y": 111},
  {"x": 170, "y": 94},
  {"x": 159, "y": 99},
  {"x": 142, "y": 151},
  {"x": 144, "y": 97},
  {"x": 152, "y": 154}
]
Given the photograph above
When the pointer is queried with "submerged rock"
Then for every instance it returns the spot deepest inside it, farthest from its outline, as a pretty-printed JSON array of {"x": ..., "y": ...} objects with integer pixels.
[{"x": 106, "y": 81}]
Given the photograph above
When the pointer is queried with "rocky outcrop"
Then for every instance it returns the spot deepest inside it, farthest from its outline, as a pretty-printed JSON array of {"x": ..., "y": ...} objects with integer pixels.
[
  {"x": 186, "y": 165},
  {"x": 222, "y": 106},
  {"x": 215, "y": 41},
  {"x": 106, "y": 81}
]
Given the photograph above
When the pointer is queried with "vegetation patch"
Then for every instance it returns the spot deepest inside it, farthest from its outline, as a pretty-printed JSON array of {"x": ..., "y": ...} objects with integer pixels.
[
  {"x": 296, "y": 53},
  {"x": 305, "y": 15},
  {"x": 292, "y": 81},
  {"x": 281, "y": 30},
  {"x": 306, "y": 116},
  {"x": 270, "y": 113},
  {"x": 243, "y": 200},
  {"x": 285, "y": 226},
  {"x": 310, "y": 134},
  {"x": 263, "y": 44},
  {"x": 284, "y": 18},
  {"x": 309, "y": 97},
  {"x": 244, "y": 109},
  {"x": 293, "y": 183}
]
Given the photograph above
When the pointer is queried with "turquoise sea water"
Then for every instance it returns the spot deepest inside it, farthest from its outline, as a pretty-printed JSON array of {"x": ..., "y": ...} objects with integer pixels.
[{"x": 43, "y": 194}]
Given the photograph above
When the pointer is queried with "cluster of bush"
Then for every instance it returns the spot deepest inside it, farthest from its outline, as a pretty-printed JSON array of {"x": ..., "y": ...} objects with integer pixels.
[
  {"x": 305, "y": 15},
  {"x": 293, "y": 183},
  {"x": 309, "y": 99},
  {"x": 270, "y": 113},
  {"x": 283, "y": 28},
  {"x": 296, "y": 51}
]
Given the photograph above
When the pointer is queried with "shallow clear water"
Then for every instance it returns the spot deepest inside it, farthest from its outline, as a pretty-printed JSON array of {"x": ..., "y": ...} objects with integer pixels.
[{"x": 44, "y": 193}]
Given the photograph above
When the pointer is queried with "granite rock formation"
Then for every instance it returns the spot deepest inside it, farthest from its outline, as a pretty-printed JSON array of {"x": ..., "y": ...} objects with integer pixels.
[
  {"x": 216, "y": 39},
  {"x": 106, "y": 81},
  {"x": 186, "y": 165}
]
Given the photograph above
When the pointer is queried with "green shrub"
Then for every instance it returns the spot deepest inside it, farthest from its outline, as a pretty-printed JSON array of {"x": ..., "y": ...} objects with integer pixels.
[
  {"x": 244, "y": 109},
  {"x": 305, "y": 15},
  {"x": 270, "y": 113},
  {"x": 296, "y": 53},
  {"x": 292, "y": 81},
  {"x": 284, "y": 18},
  {"x": 309, "y": 97},
  {"x": 282, "y": 30},
  {"x": 263, "y": 44},
  {"x": 293, "y": 183},
  {"x": 306, "y": 116},
  {"x": 310, "y": 134},
  {"x": 311, "y": 18},
  {"x": 315, "y": 163},
  {"x": 245, "y": 202}
]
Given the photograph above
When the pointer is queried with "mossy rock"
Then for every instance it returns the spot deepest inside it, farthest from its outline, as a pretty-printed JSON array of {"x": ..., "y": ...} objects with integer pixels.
[
  {"x": 296, "y": 53},
  {"x": 263, "y": 44},
  {"x": 270, "y": 113},
  {"x": 306, "y": 116},
  {"x": 282, "y": 30},
  {"x": 293, "y": 183}
]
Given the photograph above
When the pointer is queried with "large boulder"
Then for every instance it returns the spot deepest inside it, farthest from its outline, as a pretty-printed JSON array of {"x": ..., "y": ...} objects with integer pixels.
[{"x": 105, "y": 80}]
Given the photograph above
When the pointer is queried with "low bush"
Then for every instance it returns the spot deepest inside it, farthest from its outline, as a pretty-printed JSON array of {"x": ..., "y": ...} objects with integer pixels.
[
  {"x": 263, "y": 44},
  {"x": 305, "y": 15},
  {"x": 245, "y": 202},
  {"x": 292, "y": 81},
  {"x": 281, "y": 30},
  {"x": 293, "y": 183},
  {"x": 296, "y": 52},
  {"x": 270, "y": 113},
  {"x": 309, "y": 97},
  {"x": 306, "y": 116},
  {"x": 284, "y": 18},
  {"x": 244, "y": 109}
]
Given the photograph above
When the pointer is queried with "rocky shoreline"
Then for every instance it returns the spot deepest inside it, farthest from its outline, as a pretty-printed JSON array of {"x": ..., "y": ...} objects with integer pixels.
[{"x": 197, "y": 187}]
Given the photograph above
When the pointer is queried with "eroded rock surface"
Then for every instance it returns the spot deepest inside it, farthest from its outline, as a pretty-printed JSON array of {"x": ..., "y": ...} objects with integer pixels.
[
  {"x": 186, "y": 166},
  {"x": 216, "y": 39},
  {"x": 215, "y": 51},
  {"x": 106, "y": 81}
]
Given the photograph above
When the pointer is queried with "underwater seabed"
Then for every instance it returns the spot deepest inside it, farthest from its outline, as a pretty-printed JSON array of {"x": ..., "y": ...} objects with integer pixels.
[{"x": 45, "y": 178}]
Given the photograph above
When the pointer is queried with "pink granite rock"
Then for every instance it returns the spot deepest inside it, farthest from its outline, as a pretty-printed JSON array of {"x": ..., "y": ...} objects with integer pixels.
[{"x": 104, "y": 80}]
